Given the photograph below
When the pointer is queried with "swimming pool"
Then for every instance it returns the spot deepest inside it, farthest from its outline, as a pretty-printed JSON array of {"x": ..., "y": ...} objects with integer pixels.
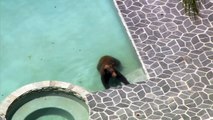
[{"x": 60, "y": 40}]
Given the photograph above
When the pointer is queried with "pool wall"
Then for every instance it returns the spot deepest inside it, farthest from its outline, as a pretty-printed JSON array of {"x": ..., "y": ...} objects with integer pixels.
[{"x": 177, "y": 53}]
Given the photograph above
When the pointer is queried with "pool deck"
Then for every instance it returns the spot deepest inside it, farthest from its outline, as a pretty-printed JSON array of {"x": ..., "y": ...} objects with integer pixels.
[{"x": 177, "y": 54}]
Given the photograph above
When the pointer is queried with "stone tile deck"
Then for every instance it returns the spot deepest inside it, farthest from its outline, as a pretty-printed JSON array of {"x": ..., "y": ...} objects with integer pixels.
[{"x": 177, "y": 53}]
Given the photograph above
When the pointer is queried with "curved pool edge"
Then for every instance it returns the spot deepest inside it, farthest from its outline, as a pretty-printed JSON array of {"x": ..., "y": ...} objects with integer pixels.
[{"x": 77, "y": 91}]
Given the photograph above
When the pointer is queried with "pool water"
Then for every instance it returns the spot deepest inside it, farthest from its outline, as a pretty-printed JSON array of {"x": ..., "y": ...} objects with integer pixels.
[{"x": 61, "y": 40}]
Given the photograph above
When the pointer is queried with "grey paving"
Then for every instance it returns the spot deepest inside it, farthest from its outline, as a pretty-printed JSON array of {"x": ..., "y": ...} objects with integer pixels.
[{"x": 177, "y": 53}]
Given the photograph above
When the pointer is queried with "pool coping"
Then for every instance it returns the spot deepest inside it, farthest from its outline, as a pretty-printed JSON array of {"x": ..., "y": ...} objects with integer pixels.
[{"x": 68, "y": 87}]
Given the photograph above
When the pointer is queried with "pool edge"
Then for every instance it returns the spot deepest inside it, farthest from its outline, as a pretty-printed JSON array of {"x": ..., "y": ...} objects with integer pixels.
[{"x": 132, "y": 41}]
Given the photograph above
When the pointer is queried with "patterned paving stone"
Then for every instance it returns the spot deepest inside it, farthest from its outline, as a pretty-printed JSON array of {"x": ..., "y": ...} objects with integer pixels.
[{"x": 177, "y": 54}]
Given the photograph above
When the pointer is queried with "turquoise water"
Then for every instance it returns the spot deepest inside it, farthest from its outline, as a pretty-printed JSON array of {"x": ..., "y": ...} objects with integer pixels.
[{"x": 60, "y": 40}]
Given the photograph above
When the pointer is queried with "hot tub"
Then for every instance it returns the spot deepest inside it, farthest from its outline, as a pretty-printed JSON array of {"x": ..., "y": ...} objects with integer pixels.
[{"x": 47, "y": 100}]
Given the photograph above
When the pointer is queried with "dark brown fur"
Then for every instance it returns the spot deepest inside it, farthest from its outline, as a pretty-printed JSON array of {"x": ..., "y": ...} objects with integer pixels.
[{"x": 111, "y": 71}]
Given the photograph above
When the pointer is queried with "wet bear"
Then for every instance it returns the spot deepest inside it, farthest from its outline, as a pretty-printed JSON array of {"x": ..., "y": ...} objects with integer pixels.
[{"x": 108, "y": 67}]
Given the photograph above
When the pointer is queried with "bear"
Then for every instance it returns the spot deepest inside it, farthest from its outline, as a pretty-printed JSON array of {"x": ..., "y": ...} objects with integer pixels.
[{"x": 108, "y": 67}]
